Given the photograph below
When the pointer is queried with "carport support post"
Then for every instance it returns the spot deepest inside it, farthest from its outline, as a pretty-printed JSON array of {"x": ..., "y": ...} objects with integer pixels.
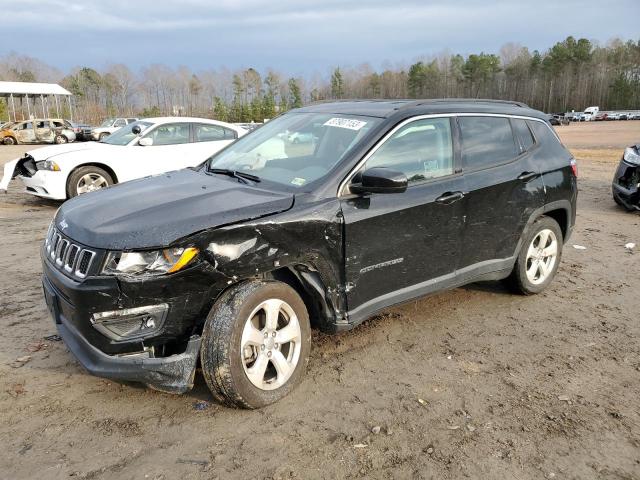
[
  {"x": 70, "y": 109},
  {"x": 28, "y": 107},
  {"x": 13, "y": 105},
  {"x": 55, "y": 97},
  {"x": 44, "y": 115}
]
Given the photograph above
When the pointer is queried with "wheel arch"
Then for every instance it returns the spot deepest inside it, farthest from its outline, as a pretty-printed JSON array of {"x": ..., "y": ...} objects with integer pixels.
[{"x": 103, "y": 166}]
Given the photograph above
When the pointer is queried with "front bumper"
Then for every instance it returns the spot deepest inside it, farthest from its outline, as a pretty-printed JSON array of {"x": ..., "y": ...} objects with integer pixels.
[
  {"x": 46, "y": 184},
  {"x": 626, "y": 185},
  {"x": 173, "y": 374},
  {"x": 166, "y": 358}
]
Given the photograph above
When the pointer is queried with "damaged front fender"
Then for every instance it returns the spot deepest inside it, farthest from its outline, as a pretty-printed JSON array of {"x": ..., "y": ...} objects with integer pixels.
[{"x": 307, "y": 242}]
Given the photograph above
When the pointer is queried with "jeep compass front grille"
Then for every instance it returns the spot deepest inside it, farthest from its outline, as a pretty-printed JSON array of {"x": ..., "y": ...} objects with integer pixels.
[{"x": 74, "y": 259}]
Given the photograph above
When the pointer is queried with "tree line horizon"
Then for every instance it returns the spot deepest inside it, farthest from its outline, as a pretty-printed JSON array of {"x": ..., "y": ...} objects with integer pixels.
[{"x": 571, "y": 75}]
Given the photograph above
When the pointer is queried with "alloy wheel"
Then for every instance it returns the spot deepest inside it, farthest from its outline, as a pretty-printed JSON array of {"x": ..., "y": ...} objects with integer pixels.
[
  {"x": 270, "y": 345},
  {"x": 541, "y": 256},
  {"x": 91, "y": 182}
]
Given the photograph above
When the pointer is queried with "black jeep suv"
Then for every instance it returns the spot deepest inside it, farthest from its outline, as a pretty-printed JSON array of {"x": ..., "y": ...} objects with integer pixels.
[{"x": 233, "y": 261}]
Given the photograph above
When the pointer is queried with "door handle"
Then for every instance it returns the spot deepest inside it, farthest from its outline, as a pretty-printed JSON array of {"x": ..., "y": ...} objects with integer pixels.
[
  {"x": 449, "y": 197},
  {"x": 526, "y": 176}
]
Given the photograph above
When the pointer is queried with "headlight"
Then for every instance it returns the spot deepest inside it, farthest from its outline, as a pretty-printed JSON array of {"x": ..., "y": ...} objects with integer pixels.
[
  {"x": 156, "y": 262},
  {"x": 631, "y": 156},
  {"x": 47, "y": 165}
]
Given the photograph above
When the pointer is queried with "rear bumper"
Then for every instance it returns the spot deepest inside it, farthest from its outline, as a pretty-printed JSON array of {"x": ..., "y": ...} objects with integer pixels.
[{"x": 173, "y": 374}]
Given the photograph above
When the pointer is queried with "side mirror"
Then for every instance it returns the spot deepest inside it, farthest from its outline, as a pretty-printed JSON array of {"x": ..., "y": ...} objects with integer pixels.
[
  {"x": 136, "y": 130},
  {"x": 380, "y": 180},
  {"x": 145, "y": 142}
]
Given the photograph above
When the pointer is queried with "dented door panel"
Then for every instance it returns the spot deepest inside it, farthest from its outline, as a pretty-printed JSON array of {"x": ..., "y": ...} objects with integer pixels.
[{"x": 394, "y": 241}]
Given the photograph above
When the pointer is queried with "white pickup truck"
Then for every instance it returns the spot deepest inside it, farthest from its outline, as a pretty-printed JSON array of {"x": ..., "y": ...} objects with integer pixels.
[{"x": 109, "y": 126}]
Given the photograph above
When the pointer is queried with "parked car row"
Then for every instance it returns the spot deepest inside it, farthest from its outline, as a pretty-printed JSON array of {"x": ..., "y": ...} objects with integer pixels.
[{"x": 56, "y": 130}]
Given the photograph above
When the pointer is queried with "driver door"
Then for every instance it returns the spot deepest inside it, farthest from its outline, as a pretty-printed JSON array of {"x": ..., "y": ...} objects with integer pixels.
[
  {"x": 168, "y": 150},
  {"x": 402, "y": 245}
]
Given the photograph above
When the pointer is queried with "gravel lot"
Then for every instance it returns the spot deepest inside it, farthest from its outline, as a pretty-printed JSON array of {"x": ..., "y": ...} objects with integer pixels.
[{"x": 470, "y": 383}]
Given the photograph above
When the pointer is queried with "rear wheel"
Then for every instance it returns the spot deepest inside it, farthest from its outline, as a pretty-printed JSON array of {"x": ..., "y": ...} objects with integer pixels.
[
  {"x": 255, "y": 344},
  {"x": 539, "y": 257},
  {"x": 87, "y": 179},
  {"x": 10, "y": 141}
]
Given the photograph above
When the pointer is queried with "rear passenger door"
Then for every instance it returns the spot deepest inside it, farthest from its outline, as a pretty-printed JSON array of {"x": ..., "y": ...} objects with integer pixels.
[{"x": 503, "y": 188}]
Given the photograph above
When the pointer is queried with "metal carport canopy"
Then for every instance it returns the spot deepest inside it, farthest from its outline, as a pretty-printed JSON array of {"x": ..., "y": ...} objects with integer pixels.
[
  {"x": 25, "y": 88},
  {"x": 11, "y": 90}
]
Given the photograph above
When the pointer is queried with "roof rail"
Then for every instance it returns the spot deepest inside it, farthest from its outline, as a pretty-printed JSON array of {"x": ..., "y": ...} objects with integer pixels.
[{"x": 474, "y": 100}]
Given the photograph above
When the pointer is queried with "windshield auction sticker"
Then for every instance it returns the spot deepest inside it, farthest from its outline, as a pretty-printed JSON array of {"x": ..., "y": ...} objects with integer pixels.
[{"x": 349, "y": 123}]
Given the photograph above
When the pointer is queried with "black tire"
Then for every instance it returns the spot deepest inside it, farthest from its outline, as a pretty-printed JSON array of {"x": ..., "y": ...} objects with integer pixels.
[
  {"x": 10, "y": 141},
  {"x": 102, "y": 136},
  {"x": 221, "y": 356},
  {"x": 78, "y": 173},
  {"x": 620, "y": 202},
  {"x": 518, "y": 281},
  {"x": 60, "y": 139}
]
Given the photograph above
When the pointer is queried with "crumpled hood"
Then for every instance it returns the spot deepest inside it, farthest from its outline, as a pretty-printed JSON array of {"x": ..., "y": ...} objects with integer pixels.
[
  {"x": 156, "y": 211},
  {"x": 52, "y": 151}
]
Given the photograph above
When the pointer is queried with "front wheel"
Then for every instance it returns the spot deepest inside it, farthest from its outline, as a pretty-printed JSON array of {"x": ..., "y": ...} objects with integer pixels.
[
  {"x": 255, "y": 344},
  {"x": 87, "y": 179},
  {"x": 60, "y": 139},
  {"x": 103, "y": 136},
  {"x": 539, "y": 257},
  {"x": 10, "y": 141}
]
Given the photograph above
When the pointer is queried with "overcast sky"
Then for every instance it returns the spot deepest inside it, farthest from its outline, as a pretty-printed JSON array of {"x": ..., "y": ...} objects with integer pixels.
[{"x": 297, "y": 36}]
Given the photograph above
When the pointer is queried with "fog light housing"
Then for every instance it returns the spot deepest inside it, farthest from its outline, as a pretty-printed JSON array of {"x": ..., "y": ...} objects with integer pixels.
[{"x": 130, "y": 323}]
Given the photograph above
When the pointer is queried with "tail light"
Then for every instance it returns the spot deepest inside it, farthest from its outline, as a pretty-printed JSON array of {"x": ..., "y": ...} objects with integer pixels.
[{"x": 574, "y": 167}]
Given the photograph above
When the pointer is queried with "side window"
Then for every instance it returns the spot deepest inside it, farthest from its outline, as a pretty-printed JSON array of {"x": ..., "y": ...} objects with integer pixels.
[
  {"x": 120, "y": 123},
  {"x": 131, "y": 120},
  {"x": 58, "y": 124},
  {"x": 422, "y": 149},
  {"x": 42, "y": 124},
  {"x": 486, "y": 141},
  {"x": 541, "y": 131},
  {"x": 27, "y": 126},
  {"x": 209, "y": 133},
  {"x": 170, "y": 134},
  {"x": 524, "y": 134}
]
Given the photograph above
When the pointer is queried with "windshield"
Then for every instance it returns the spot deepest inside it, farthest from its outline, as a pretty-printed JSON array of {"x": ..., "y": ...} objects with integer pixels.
[
  {"x": 107, "y": 123},
  {"x": 295, "y": 149},
  {"x": 124, "y": 135}
]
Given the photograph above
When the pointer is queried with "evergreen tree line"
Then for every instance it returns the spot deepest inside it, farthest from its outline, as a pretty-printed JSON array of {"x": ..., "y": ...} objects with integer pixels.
[{"x": 571, "y": 75}]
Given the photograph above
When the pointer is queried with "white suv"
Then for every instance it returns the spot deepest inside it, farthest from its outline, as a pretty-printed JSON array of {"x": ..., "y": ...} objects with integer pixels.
[{"x": 109, "y": 126}]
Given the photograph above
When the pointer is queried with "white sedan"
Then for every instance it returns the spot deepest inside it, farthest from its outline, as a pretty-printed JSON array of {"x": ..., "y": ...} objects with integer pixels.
[{"x": 146, "y": 147}]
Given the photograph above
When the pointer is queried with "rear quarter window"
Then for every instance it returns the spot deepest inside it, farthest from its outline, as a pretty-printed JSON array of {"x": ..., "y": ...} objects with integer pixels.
[
  {"x": 523, "y": 133},
  {"x": 486, "y": 141}
]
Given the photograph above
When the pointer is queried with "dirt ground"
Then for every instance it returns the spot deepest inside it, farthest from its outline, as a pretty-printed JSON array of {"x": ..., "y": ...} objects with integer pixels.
[{"x": 470, "y": 383}]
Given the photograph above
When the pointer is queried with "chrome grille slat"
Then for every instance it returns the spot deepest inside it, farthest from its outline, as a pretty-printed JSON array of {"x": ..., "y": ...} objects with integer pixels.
[{"x": 68, "y": 256}]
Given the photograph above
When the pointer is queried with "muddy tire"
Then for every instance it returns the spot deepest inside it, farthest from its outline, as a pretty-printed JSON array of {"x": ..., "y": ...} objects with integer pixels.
[
  {"x": 538, "y": 259},
  {"x": 10, "y": 141},
  {"x": 60, "y": 139},
  {"x": 102, "y": 136},
  {"x": 255, "y": 344},
  {"x": 87, "y": 179}
]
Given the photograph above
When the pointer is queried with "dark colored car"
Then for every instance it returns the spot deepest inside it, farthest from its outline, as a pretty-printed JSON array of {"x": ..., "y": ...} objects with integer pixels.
[
  {"x": 626, "y": 181},
  {"x": 232, "y": 262},
  {"x": 82, "y": 131}
]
